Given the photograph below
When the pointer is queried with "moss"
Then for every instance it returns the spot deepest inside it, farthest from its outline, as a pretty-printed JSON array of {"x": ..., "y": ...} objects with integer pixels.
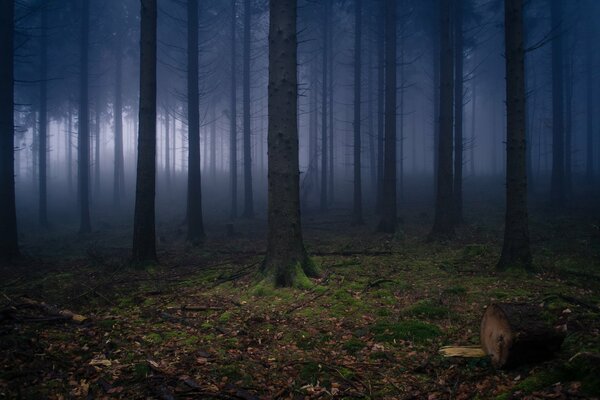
[
  {"x": 153, "y": 338},
  {"x": 353, "y": 345},
  {"x": 310, "y": 372},
  {"x": 427, "y": 309},
  {"x": 415, "y": 331},
  {"x": 226, "y": 316},
  {"x": 141, "y": 371},
  {"x": 455, "y": 291}
]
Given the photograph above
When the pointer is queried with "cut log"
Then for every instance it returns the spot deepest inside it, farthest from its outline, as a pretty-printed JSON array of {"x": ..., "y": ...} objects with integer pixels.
[
  {"x": 462, "y": 351},
  {"x": 516, "y": 333}
]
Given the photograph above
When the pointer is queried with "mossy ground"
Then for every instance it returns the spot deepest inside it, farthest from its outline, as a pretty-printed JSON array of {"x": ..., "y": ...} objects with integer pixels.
[{"x": 369, "y": 327}]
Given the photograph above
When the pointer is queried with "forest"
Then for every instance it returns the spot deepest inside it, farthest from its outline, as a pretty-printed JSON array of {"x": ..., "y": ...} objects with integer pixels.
[{"x": 299, "y": 199}]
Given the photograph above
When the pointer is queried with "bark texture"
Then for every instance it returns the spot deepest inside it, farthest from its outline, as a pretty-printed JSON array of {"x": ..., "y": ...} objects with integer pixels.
[{"x": 83, "y": 135}]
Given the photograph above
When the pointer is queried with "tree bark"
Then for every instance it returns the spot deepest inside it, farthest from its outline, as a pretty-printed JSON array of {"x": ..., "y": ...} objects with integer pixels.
[
  {"x": 248, "y": 196},
  {"x": 119, "y": 171},
  {"x": 9, "y": 247},
  {"x": 324, "y": 151},
  {"x": 557, "y": 190},
  {"x": 43, "y": 119},
  {"x": 167, "y": 148},
  {"x": 233, "y": 117},
  {"x": 144, "y": 235},
  {"x": 83, "y": 136},
  {"x": 443, "y": 226},
  {"x": 515, "y": 251},
  {"x": 589, "y": 99},
  {"x": 286, "y": 261},
  {"x": 389, "y": 217},
  {"x": 380, "y": 105},
  {"x": 357, "y": 215},
  {"x": 458, "y": 111},
  {"x": 195, "y": 225}
]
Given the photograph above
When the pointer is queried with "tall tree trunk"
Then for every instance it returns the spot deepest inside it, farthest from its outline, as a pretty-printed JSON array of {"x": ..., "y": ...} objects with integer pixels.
[
  {"x": 248, "y": 196},
  {"x": 371, "y": 122},
  {"x": 119, "y": 170},
  {"x": 313, "y": 134},
  {"x": 167, "y": 148},
  {"x": 569, "y": 125},
  {"x": 286, "y": 261},
  {"x": 515, "y": 251},
  {"x": 357, "y": 217},
  {"x": 195, "y": 225},
  {"x": 443, "y": 225},
  {"x": 389, "y": 211},
  {"x": 83, "y": 136},
  {"x": 589, "y": 100},
  {"x": 557, "y": 190},
  {"x": 144, "y": 235},
  {"x": 213, "y": 144},
  {"x": 330, "y": 187},
  {"x": 380, "y": 105},
  {"x": 324, "y": 151},
  {"x": 473, "y": 125},
  {"x": 458, "y": 110},
  {"x": 233, "y": 117},
  {"x": 9, "y": 247},
  {"x": 400, "y": 157},
  {"x": 43, "y": 133},
  {"x": 69, "y": 140},
  {"x": 97, "y": 148}
]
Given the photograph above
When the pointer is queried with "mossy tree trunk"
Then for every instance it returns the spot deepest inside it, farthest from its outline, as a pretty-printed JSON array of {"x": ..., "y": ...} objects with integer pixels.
[{"x": 286, "y": 262}]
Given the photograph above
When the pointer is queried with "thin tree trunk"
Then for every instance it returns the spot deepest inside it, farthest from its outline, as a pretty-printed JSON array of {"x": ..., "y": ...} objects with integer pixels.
[
  {"x": 557, "y": 191},
  {"x": 569, "y": 126},
  {"x": 371, "y": 132},
  {"x": 473, "y": 125},
  {"x": 9, "y": 246},
  {"x": 233, "y": 117},
  {"x": 357, "y": 218},
  {"x": 331, "y": 197},
  {"x": 83, "y": 136},
  {"x": 443, "y": 225},
  {"x": 458, "y": 111},
  {"x": 195, "y": 225},
  {"x": 70, "y": 149},
  {"x": 119, "y": 170},
  {"x": 380, "y": 105},
  {"x": 167, "y": 148},
  {"x": 43, "y": 121},
  {"x": 97, "y": 148},
  {"x": 248, "y": 196},
  {"x": 213, "y": 144},
  {"x": 144, "y": 235},
  {"x": 515, "y": 251},
  {"x": 324, "y": 152},
  {"x": 589, "y": 164},
  {"x": 389, "y": 210},
  {"x": 286, "y": 261}
]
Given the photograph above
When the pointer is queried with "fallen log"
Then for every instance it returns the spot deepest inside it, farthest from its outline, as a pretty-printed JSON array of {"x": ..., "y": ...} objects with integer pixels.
[
  {"x": 54, "y": 311},
  {"x": 516, "y": 333}
]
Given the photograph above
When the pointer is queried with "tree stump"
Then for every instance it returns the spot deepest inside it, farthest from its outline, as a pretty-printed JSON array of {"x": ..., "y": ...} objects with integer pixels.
[{"x": 516, "y": 333}]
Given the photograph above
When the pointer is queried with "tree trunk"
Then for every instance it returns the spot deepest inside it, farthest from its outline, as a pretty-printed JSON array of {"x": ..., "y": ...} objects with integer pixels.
[
  {"x": 248, "y": 196},
  {"x": 389, "y": 211},
  {"x": 357, "y": 217},
  {"x": 83, "y": 136},
  {"x": 213, "y": 144},
  {"x": 329, "y": 12},
  {"x": 195, "y": 224},
  {"x": 513, "y": 334},
  {"x": 97, "y": 148},
  {"x": 557, "y": 190},
  {"x": 443, "y": 226},
  {"x": 233, "y": 117},
  {"x": 286, "y": 261},
  {"x": 69, "y": 141},
  {"x": 119, "y": 171},
  {"x": 380, "y": 105},
  {"x": 569, "y": 78},
  {"x": 9, "y": 247},
  {"x": 589, "y": 164},
  {"x": 324, "y": 153},
  {"x": 473, "y": 125},
  {"x": 167, "y": 148},
  {"x": 458, "y": 111},
  {"x": 144, "y": 236},
  {"x": 515, "y": 251},
  {"x": 43, "y": 129},
  {"x": 371, "y": 131}
]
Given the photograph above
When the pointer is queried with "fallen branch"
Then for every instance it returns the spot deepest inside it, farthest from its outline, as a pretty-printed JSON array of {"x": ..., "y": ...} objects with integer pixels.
[
  {"x": 462, "y": 351},
  {"x": 377, "y": 283},
  {"x": 291, "y": 310},
  {"x": 52, "y": 310},
  {"x": 574, "y": 300}
]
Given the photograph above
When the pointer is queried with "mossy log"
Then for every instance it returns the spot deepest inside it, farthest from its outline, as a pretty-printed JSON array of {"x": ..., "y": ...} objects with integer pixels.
[{"x": 517, "y": 333}]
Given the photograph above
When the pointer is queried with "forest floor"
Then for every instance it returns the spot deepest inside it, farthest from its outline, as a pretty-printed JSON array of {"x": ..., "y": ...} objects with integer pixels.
[{"x": 197, "y": 326}]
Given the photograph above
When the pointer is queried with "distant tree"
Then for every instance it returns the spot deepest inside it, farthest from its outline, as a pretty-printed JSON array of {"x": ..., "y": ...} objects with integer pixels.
[
  {"x": 458, "y": 110},
  {"x": 286, "y": 261},
  {"x": 324, "y": 93},
  {"x": 443, "y": 226},
  {"x": 389, "y": 208},
  {"x": 248, "y": 196},
  {"x": 233, "y": 116},
  {"x": 83, "y": 134},
  {"x": 43, "y": 117},
  {"x": 357, "y": 215},
  {"x": 589, "y": 99},
  {"x": 557, "y": 190},
  {"x": 144, "y": 236},
  {"x": 9, "y": 247},
  {"x": 515, "y": 252},
  {"x": 119, "y": 171},
  {"x": 380, "y": 103},
  {"x": 195, "y": 223}
]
